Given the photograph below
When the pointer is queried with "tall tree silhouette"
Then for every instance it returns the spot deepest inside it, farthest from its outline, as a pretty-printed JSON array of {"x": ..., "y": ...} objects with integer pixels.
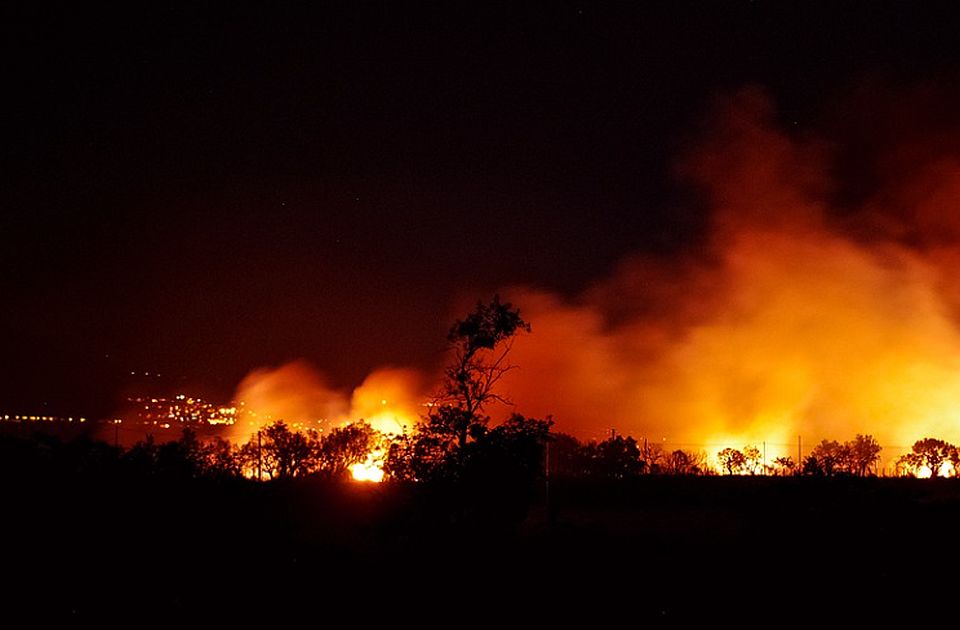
[
  {"x": 864, "y": 453},
  {"x": 479, "y": 344}
]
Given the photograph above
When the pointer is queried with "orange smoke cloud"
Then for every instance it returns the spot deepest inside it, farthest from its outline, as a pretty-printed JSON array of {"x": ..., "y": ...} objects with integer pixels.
[
  {"x": 294, "y": 392},
  {"x": 789, "y": 321},
  {"x": 796, "y": 315},
  {"x": 390, "y": 399}
]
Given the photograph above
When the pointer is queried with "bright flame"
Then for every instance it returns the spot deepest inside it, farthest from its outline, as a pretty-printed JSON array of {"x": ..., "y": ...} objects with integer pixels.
[
  {"x": 390, "y": 399},
  {"x": 767, "y": 452},
  {"x": 369, "y": 470},
  {"x": 946, "y": 470}
]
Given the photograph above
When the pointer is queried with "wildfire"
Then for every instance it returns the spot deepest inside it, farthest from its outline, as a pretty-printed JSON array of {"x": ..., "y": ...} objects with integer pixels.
[
  {"x": 766, "y": 452},
  {"x": 799, "y": 317},
  {"x": 370, "y": 470},
  {"x": 796, "y": 316},
  {"x": 946, "y": 470},
  {"x": 389, "y": 399}
]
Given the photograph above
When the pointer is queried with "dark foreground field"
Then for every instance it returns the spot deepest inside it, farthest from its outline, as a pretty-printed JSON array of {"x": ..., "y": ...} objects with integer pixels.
[{"x": 746, "y": 551}]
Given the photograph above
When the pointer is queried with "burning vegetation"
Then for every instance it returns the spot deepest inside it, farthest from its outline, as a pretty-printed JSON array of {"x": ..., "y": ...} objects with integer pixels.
[
  {"x": 806, "y": 307},
  {"x": 798, "y": 313},
  {"x": 456, "y": 439}
]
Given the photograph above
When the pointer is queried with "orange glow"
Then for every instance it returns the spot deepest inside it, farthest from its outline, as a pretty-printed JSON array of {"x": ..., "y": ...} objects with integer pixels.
[
  {"x": 389, "y": 399},
  {"x": 791, "y": 322},
  {"x": 814, "y": 336},
  {"x": 946, "y": 470},
  {"x": 371, "y": 470},
  {"x": 794, "y": 317},
  {"x": 768, "y": 452}
]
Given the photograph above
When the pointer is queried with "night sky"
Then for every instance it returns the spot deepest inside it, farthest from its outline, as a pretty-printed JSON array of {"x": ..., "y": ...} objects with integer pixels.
[{"x": 199, "y": 191}]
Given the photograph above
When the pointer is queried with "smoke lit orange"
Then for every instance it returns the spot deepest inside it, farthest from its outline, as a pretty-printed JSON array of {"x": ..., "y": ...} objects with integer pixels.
[{"x": 787, "y": 321}]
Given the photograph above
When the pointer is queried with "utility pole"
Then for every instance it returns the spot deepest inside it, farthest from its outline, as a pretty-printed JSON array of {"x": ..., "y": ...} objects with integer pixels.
[
  {"x": 764, "y": 457},
  {"x": 799, "y": 453},
  {"x": 259, "y": 459}
]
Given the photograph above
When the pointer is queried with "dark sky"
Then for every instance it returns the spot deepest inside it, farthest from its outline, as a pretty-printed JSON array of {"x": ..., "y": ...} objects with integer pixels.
[{"x": 198, "y": 191}]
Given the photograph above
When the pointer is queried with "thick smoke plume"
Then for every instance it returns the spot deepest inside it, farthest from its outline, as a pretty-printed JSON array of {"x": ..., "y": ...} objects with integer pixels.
[
  {"x": 798, "y": 315},
  {"x": 819, "y": 301}
]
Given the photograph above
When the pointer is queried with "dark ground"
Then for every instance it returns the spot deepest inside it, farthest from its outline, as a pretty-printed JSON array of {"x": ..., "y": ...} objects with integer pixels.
[{"x": 751, "y": 551}]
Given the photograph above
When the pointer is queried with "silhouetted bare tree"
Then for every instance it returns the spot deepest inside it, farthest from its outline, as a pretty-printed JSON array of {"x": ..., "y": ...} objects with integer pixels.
[{"x": 480, "y": 344}]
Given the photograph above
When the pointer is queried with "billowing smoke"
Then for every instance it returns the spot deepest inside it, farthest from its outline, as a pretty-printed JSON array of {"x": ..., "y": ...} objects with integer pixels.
[
  {"x": 390, "y": 399},
  {"x": 294, "y": 390},
  {"x": 798, "y": 315},
  {"x": 819, "y": 301}
]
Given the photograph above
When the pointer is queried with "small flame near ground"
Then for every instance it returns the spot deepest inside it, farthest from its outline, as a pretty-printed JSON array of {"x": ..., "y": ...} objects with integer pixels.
[
  {"x": 946, "y": 470},
  {"x": 370, "y": 470}
]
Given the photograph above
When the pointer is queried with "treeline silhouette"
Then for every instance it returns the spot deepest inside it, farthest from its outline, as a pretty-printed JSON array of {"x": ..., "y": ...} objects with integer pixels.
[
  {"x": 456, "y": 443},
  {"x": 521, "y": 449}
]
